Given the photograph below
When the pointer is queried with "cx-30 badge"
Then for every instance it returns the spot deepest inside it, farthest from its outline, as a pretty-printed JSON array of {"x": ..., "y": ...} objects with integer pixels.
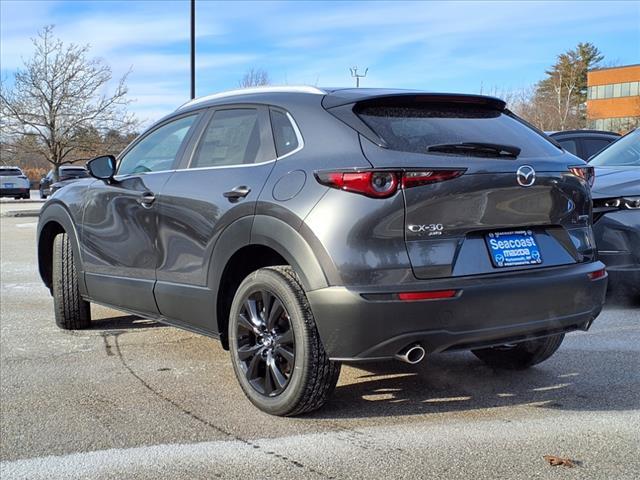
[{"x": 526, "y": 176}]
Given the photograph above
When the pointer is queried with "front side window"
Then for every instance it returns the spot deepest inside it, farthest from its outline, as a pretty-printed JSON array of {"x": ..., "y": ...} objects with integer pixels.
[
  {"x": 284, "y": 133},
  {"x": 231, "y": 138},
  {"x": 158, "y": 150}
]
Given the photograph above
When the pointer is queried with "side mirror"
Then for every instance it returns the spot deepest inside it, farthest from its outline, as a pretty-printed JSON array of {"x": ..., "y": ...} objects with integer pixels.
[{"x": 102, "y": 168}]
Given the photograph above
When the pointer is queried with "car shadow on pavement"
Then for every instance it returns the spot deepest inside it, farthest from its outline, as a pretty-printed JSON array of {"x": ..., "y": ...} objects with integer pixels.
[
  {"x": 124, "y": 322},
  {"x": 459, "y": 382}
]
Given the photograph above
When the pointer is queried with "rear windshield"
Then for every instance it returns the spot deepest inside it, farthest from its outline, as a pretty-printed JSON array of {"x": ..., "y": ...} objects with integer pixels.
[
  {"x": 73, "y": 173},
  {"x": 416, "y": 128},
  {"x": 623, "y": 153},
  {"x": 10, "y": 172}
]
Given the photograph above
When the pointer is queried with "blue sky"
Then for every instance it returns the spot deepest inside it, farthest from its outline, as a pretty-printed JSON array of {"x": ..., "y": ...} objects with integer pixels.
[{"x": 440, "y": 46}]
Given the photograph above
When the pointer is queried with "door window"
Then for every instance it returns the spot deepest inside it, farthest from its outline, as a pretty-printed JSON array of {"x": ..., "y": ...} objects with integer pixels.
[
  {"x": 158, "y": 150},
  {"x": 231, "y": 138}
]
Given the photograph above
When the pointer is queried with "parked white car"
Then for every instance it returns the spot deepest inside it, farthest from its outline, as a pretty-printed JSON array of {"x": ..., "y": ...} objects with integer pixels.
[{"x": 13, "y": 183}]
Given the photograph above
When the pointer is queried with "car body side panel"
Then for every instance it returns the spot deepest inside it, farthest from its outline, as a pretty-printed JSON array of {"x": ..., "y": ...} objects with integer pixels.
[{"x": 119, "y": 241}]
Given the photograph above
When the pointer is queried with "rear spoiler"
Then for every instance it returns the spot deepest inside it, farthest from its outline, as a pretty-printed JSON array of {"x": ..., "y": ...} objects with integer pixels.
[
  {"x": 345, "y": 97},
  {"x": 341, "y": 104}
]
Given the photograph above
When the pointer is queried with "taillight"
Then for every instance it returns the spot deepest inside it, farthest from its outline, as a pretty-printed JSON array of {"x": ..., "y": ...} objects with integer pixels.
[
  {"x": 383, "y": 183},
  {"x": 585, "y": 172}
]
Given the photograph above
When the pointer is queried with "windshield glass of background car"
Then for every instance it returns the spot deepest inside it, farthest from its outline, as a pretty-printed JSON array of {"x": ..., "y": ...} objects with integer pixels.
[
  {"x": 415, "y": 128},
  {"x": 158, "y": 150},
  {"x": 623, "y": 153}
]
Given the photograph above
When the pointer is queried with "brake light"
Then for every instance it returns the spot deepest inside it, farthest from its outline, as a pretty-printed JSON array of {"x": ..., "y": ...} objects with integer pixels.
[
  {"x": 585, "y": 172},
  {"x": 383, "y": 183},
  {"x": 433, "y": 295}
]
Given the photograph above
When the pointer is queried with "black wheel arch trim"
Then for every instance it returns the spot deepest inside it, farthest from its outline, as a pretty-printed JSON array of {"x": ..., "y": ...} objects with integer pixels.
[{"x": 56, "y": 212}]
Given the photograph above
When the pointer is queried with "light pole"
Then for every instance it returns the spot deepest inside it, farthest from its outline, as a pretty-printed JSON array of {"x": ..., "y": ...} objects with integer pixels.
[{"x": 193, "y": 49}]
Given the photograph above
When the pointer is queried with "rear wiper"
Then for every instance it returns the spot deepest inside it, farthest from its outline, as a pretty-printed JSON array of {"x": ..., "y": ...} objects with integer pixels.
[{"x": 488, "y": 149}]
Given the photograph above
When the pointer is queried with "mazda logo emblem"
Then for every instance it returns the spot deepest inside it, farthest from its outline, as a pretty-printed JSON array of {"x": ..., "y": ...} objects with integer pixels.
[{"x": 526, "y": 176}]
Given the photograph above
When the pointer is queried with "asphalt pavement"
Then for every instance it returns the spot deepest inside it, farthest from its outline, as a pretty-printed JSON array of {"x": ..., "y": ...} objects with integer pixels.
[{"x": 131, "y": 398}]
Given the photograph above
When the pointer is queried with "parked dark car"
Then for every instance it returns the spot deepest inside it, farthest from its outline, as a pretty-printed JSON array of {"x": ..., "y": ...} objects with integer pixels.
[
  {"x": 584, "y": 143},
  {"x": 616, "y": 211},
  {"x": 14, "y": 183},
  {"x": 67, "y": 174},
  {"x": 306, "y": 227}
]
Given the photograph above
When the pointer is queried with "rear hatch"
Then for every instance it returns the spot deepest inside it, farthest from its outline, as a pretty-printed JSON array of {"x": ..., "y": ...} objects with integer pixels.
[
  {"x": 12, "y": 178},
  {"x": 513, "y": 203}
]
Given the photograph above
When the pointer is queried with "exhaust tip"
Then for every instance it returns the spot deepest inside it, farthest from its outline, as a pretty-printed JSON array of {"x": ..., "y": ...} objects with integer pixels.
[{"x": 412, "y": 354}]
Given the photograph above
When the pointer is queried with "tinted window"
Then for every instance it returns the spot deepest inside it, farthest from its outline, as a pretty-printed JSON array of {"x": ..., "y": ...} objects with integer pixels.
[
  {"x": 158, "y": 150},
  {"x": 415, "y": 128},
  {"x": 231, "y": 138},
  {"x": 591, "y": 146},
  {"x": 284, "y": 134},
  {"x": 10, "y": 172},
  {"x": 624, "y": 152},
  {"x": 569, "y": 146},
  {"x": 67, "y": 173}
]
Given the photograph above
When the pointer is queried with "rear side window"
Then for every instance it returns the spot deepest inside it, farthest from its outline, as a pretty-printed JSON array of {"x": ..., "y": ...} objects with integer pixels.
[
  {"x": 284, "y": 134},
  {"x": 416, "y": 128},
  {"x": 569, "y": 145},
  {"x": 591, "y": 146},
  {"x": 231, "y": 138},
  {"x": 10, "y": 172}
]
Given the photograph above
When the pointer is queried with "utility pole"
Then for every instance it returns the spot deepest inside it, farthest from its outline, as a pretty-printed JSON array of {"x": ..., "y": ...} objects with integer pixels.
[
  {"x": 358, "y": 76},
  {"x": 193, "y": 49}
]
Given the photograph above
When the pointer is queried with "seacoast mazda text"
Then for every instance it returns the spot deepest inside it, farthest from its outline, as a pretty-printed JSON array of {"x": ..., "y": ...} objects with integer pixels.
[{"x": 306, "y": 227}]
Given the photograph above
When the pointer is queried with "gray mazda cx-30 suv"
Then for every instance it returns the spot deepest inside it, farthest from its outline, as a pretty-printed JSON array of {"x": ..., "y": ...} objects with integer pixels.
[{"x": 305, "y": 227}]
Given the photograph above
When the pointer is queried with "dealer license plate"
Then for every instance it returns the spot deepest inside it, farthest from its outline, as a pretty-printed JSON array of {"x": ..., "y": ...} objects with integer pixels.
[{"x": 511, "y": 249}]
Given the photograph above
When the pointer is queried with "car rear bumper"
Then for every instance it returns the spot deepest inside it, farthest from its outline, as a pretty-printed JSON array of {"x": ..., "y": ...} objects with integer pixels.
[{"x": 488, "y": 310}]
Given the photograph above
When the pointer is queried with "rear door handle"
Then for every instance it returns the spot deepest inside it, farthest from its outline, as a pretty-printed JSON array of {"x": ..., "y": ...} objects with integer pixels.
[
  {"x": 237, "y": 193},
  {"x": 146, "y": 199}
]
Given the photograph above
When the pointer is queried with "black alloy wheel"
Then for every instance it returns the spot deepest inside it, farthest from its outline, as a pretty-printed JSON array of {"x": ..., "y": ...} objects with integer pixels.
[{"x": 265, "y": 343}]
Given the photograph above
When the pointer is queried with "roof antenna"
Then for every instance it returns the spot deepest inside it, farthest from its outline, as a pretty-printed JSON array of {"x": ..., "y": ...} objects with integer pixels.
[{"x": 358, "y": 76}]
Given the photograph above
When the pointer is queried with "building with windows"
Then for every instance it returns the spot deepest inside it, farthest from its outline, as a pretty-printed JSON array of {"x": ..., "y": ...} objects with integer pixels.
[{"x": 613, "y": 98}]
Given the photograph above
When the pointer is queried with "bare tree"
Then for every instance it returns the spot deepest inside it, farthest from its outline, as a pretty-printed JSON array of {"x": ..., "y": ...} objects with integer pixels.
[
  {"x": 255, "y": 77},
  {"x": 58, "y": 97}
]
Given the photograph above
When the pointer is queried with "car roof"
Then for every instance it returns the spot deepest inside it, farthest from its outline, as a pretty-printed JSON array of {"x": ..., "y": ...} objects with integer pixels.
[{"x": 331, "y": 96}]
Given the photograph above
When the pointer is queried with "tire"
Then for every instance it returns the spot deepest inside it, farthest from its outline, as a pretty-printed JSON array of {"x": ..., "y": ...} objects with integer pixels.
[
  {"x": 71, "y": 311},
  {"x": 261, "y": 351},
  {"x": 521, "y": 355}
]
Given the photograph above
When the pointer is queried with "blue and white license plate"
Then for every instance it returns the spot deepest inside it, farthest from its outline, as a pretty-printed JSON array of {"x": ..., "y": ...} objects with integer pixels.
[
  {"x": 511, "y": 249},
  {"x": 8, "y": 185}
]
